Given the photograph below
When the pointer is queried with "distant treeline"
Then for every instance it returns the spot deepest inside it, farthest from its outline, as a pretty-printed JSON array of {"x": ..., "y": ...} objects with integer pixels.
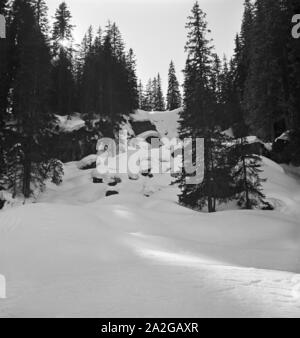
[{"x": 44, "y": 73}]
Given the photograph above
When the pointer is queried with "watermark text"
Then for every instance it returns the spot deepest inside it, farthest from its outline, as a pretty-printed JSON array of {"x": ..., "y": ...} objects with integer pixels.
[
  {"x": 2, "y": 287},
  {"x": 134, "y": 156},
  {"x": 296, "y": 28},
  {"x": 2, "y": 27}
]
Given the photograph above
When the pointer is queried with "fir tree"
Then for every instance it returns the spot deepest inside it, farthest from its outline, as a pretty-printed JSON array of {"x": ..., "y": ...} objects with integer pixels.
[
  {"x": 266, "y": 92},
  {"x": 3, "y": 68},
  {"x": 290, "y": 8},
  {"x": 63, "y": 85},
  {"x": 141, "y": 95},
  {"x": 132, "y": 86},
  {"x": 198, "y": 119},
  {"x": 62, "y": 27},
  {"x": 243, "y": 46},
  {"x": 41, "y": 15},
  {"x": 106, "y": 77},
  {"x": 30, "y": 89},
  {"x": 116, "y": 41},
  {"x": 174, "y": 100},
  {"x": 216, "y": 87},
  {"x": 248, "y": 184},
  {"x": 148, "y": 104},
  {"x": 158, "y": 98}
]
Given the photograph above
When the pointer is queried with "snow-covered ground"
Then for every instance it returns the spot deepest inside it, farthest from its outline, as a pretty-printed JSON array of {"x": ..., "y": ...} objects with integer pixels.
[{"x": 77, "y": 253}]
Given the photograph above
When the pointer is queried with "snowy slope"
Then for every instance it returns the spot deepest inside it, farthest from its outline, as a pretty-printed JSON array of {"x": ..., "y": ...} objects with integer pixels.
[{"x": 76, "y": 253}]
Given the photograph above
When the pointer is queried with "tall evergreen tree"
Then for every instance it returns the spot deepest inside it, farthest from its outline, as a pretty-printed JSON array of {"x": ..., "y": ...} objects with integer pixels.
[
  {"x": 41, "y": 14},
  {"x": 243, "y": 46},
  {"x": 148, "y": 103},
  {"x": 174, "y": 99},
  {"x": 30, "y": 85},
  {"x": 62, "y": 27},
  {"x": 158, "y": 98},
  {"x": 290, "y": 8},
  {"x": 198, "y": 120},
  {"x": 237, "y": 73},
  {"x": 116, "y": 40},
  {"x": 3, "y": 64},
  {"x": 132, "y": 85},
  {"x": 248, "y": 184},
  {"x": 63, "y": 85},
  {"x": 215, "y": 84},
  {"x": 231, "y": 106},
  {"x": 266, "y": 90},
  {"x": 141, "y": 94},
  {"x": 4, "y": 86}
]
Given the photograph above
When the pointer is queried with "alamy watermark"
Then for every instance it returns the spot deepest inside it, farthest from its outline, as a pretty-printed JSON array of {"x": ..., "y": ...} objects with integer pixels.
[
  {"x": 2, "y": 287},
  {"x": 134, "y": 156},
  {"x": 296, "y": 28},
  {"x": 2, "y": 27}
]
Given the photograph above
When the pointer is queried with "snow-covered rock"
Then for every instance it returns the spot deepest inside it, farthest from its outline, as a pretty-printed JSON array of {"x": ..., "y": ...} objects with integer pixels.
[
  {"x": 5, "y": 199},
  {"x": 88, "y": 162},
  {"x": 68, "y": 124}
]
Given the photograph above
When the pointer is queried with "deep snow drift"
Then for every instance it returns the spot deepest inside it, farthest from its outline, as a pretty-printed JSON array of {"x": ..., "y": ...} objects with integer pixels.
[{"x": 77, "y": 253}]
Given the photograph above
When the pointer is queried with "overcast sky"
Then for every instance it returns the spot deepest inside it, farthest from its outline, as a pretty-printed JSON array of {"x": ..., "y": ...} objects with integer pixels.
[{"x": 155, "y": 29}]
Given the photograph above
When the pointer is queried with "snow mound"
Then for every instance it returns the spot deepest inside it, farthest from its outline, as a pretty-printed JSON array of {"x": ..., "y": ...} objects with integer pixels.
[
  {"x": 69, "y": 124},
  {"x": 87, "y": 162}
]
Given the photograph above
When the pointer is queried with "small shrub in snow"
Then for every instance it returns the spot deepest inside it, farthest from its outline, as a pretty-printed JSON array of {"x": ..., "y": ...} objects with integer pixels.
[{"x": 247, "y": 180}]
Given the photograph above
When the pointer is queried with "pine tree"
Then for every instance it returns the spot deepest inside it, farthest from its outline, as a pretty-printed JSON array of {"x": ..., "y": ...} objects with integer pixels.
[
  {"x": 30, "y": 89},
  {"x": 4, "y": 87},
  {"x": 116, "y": 40},
  {"x": 148, "y": 104},
  {"x": 216, "y": 87},
  {"x": 231, "y": 115},
  {"x": 248, "y": 184},
  {"x": 3, "y": 66},
  {"x": 106, "y": 78},
  {"x": 174, "y": 99},
  {"x": 41, "y": 15},
  {"x": 86, "y": 85},
  {"x": 132, "y": 85},
  {"x": 236, "y": 75},
  {"x": 243, "y": 46},
  {"x": 198, "y": 120},
  {"x": 154, "y": 94},
  {"x": 290, "y": 8},
  {"x": 63, "y": 85},
  {"x": 141, "y": 95},
  {"x": 62, "y": 27},
  {"x": 157, "y": 94},
  {"x": 266, "y": 90}
]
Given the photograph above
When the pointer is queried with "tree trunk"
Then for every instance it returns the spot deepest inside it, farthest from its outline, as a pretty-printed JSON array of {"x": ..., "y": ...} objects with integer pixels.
[
  {"x": 27, "y": 170},
  {"x": 248, "y": 205}
]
